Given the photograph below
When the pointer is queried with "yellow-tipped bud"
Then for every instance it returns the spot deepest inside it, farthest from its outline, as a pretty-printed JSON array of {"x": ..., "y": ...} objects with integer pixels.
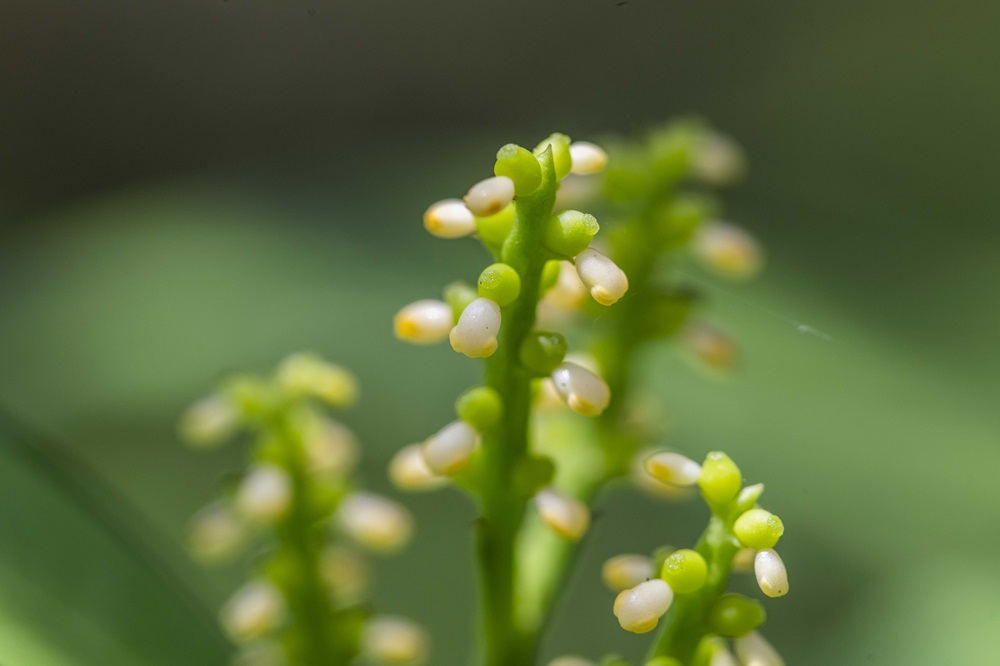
[
  {"x": 772, "y": 577},
  {"x": 475, "y": 334},
  {"x": 623, "y": 572},
  {"x": 672, "y": 468},
  {"x": 449, "y": 219},
  {"x": 754, "y": 650},
  {"x": 564, "y": 515},
  {"x": 583, "y": 391},
  {"x": 639, "y": 609},
  {"x": 375, "y": 522},
  {"x": 252, "y": 612},
  {"x": 490, "y": 196},
  {"x": 408, "y": 470},
  {"x": 606, "y": 282},
  {"x": 424, "y": 322},
  {"x": 448, "y": 451},
  {"x": 728, "y": 250},
  {"x": 264, "y": 494},
  {"x": 215, "y": 533},
  {"x": 395, "y": 641},
  {"x": 588, "y": 158}
]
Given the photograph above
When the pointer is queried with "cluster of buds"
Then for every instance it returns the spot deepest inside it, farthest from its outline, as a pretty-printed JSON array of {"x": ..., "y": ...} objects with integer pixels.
[{"x": 298, "y": 501}]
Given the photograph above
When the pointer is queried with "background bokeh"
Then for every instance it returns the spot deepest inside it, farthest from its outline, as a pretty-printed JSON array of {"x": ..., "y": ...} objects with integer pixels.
[{"x": 190, "y": 187}]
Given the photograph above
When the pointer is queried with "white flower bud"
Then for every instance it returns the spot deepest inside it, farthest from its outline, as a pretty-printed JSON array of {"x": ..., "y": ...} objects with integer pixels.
[
  {"x": 448, "y": 450},
  {"x": 743, "y": 560},
  {"x": 672, "y": 468},
  {"x": 754, "y": 650},
  {"x": 215, "y": 533},
  {"x": 264, "y": 494},
  {"x": 408, "y": 471},
  {"x": 564, "y": 515},
  {"x": 308, "y": 375},
  {"x": 396, "y": 641},
  {"x": 607, "y": 283},
  {"x": 346, "y": 572},
  {"x": 449, "y": 219},
  {"x": 639, "y": 609},
  {"x": 623, "y": 572},
  {"x": 209, "y": 422},
  {"x": 772, "y": 577},
  {"x": 490, "y": 196},
  {"x": 728, "y": 250},
  {"x": 718, "y": 160},
  {"x": 475, "y": 334},
  {"x": 253, "y": 611},
  {"x": 583, "y": 391},
  {"x": 588, "y": 158},
  {"x": 331, "y": 448},
  {"x": 569, "y": 292},
  {"x": 722, "y": 657},
  {"x": 424, "y": 322},
  {"x": 571, "y": 660},
  {"x": 375, "y": 522},
  {"x": 548, "y": 397},
  {"x": 641, "y": 478}
]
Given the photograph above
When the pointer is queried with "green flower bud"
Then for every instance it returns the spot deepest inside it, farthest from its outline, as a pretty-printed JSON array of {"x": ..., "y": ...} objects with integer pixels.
[
  {"x": 458, "y": 295},
  {"x": 542, "y": 352},
  {"x": 720, "y": 478},
  {"x": 500, "y": 283},
  {"x": 493, "y": 230},
  {"x": 570, "y": 232},
  {"x": 734, "y": 615},
  {"x": 561, "y": 159},
  {"x": 533, "y": 474},
  {"x": 748, "y": 497},
  {"x": 520, "y": 166},
  {"x": 758, "y": 529},
  {"x": 682, "y": 217},
  {"x": 480, "y": 407},
  {"x": 685, "y": 571},
  {"x": 550, "y": 274}
]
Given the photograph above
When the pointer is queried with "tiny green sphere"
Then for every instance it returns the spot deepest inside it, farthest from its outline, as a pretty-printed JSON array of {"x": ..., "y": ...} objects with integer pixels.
[
  {"x": 570, "y": 232},
  {"x": 542, "y": 352},
  {"x": 458, "y": 295},
  {"x": 480, "y": 407},
  {"x": 664, "y": 661},
  {"x": 685, "y": 571},
  {"x": 758, "y": 529},
  {"x": 734, "y": 615},
  {"x": 493, "y": 230},
  {"x": 500, "y": 283},
  {"x": 520, "y": 166},
  {"x": 720, "y": 478},
  {"x": 561, "y": 160}
]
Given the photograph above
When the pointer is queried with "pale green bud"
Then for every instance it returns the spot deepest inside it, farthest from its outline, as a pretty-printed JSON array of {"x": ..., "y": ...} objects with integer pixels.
[
  {"x": 758, "y": 529},
  {"x": 307, "y": 374},
  {"x": 570, "y": 232},
  {"x": 458, "y": 295},
  {"x": 685, "y": 571},
  {"x": 734, "y": 615},
  {"x": 493, "y": 230},
  {"x": 720, "y": 478},
  {"x": 561, "y": 158},
  {"x": 748, "y": 497},
  {"x": 500, "y": 283},
  {"x": 520, "y": 166},
  {"x": 542, "y": 352},
  {"x": 480, "y": 407}
]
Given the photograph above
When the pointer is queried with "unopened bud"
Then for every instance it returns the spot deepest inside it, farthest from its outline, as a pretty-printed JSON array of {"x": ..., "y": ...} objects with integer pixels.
[
  {"x": 728, "y": 250},
  {"x": 639, "y": 609},
  {"x": 448, "y": 451},
  {"x": 375, "y": 522},
  {"x": 215, "y": 533},
  {"x": 475, "y": 334},
  {"x": 565, "y": 515},
  {"x": 331, "y": 448},
  {"x": 758, "y": 529},
  {"x": 570, "y": 232},
  {"x": 424, "y": 322},
  {"x": 489, "y": 197},
  {"x": 252, "y": 612},
  {"x": 395, "y": 641},
  {"x": 606, "y": 282},
  {"x": 500, "y": 283},
  {"x": 264, "y": 494},
  {"x": 754, "y": 650},
  {"x": 449, "y": 219},
  {"x": 720, "y": 478},
  {"x": 309, "y": 375},
  {"x": 568, "y": 292},
  {"x": 672, "y": 468},
  {"x": 408, "y": 471},
  {"x": 583, "y": 391},
  {"x": 562, "y": 161},
  {"x": 623, "y": 572},
  {"x": 209, "y": 422},
  {"x": 588, "y": 158},
  {"x": 717, "y": 160},
  {"x": 520, "y": 166},
  {"x": 772, "y": 577},
  {"x": 685, "y": 570},
  {"x": 346, "y": 572}
]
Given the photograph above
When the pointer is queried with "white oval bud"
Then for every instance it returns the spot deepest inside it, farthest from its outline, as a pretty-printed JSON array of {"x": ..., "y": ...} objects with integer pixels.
[
  {"x": 583, "y": 391},
  {"x": 375, "y": 522},
  {"x": 623, "y": 572},
  {"x": 639, "y": 609},
  {"x": 209, "y": 422},
  {"x": 754, "y": 650},
  {"x": 424, "y": 322},
  {"x": 306, "y": 374},
  {"x": 772, "y": 577},
  {"x": 490, "y": 196},
  {"x": 215, "y": 533},
  {"x": 253, "y": 611},
  {"x": 346, "y": 572},
  {"x": 641, "y": 478},
  {"x": 607, "y": 283},
  {"x": 588, "y": 158},
  {"x": 396, "y": 641},
  {"x": 448, "y": 450},
  {"x": 264, "y": 494},
  {"x": 728, "y": 250},
  {"x": 569, "y": 292},
  {"x": 449, "y": 219},
  {"x": 475, "y": 334},
  {"x": 672, "y": 468},
  {"x": 408, "y": 471},
  {"x": 571, "y": 660},
  {"x": 331, "y": 448},
  {"x": 718, "y": 160},
  {"x": 564, "y": 515}
]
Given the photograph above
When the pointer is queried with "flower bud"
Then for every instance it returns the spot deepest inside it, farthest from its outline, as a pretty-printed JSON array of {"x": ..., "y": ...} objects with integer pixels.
[
  {"x": 475, "y": 334},
  {"x": 561, "y": 159},
  {"x": 264, "y": 494},
  {"x": 493, "y": 230},
  {"x": 748, "y": 497},
  {"x": 480, "y": 407},
  {"x": 500, "y": 283},
  {"x": 565, "y": 515},
  {"x": 375, "y": 522},
  {"x": 543, "y": 352},
  {"x": 721, "y": 656},
  {"x": 712, "y": 346},
  {"x": 720, "y": 478},
  {"x": 489, "y": 197},
  {"x": 395, "y": 641},
  {"x": 520, "y": 166},
  {"x": 449, "y": 219},
  {"x": 717, "y": 160},
  {"x": 448, "y": 451},
  {"x": 569, "y": 292},
  {"x": 548, "y": 398},
  {"x": 408, "y": 471},
  {"x": 727, "y": 250},
  {"x": 587, "y": 158},
  {"x": 331, "y": 448},
  {"x": 571, "y": 660},
  {"x": 252, "y": 612},
  {"x": 346, "y": 572},
  {"x": 424, "y": 322},
  {"x": 607, "y": 283},
  {"x": 309, "y": 375},
  {"x": 215, "y": 533},
  {"x": 583, "y": 391},
  {"x": 209, "y": 422},
  {"x": 672, "y": 468},
  {"x": 758, "y": 529},
  {"x": 754, "y": 650},
  {"x": 639, "y": 609},
  {"x": 772, "y": 577},
  {"x": 570, "y": 232},
  {"x": 685, "y": 571},
  {"x": 623, "y": 572},
  {"x": 734, "y": 615},
  {"x": 458, "y": 295}
]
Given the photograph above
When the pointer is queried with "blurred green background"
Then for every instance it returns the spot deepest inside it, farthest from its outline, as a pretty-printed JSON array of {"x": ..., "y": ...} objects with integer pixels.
[{"x": 191, "y": 187}]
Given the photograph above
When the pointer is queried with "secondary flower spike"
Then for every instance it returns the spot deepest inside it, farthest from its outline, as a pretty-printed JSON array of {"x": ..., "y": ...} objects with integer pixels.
[
  {"x": 475, "y": 334},
  {"x": 607, "y": 283}
]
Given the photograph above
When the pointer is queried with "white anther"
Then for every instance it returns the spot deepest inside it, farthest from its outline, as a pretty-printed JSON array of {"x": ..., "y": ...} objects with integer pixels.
[{"x": 448, "y": 450}]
